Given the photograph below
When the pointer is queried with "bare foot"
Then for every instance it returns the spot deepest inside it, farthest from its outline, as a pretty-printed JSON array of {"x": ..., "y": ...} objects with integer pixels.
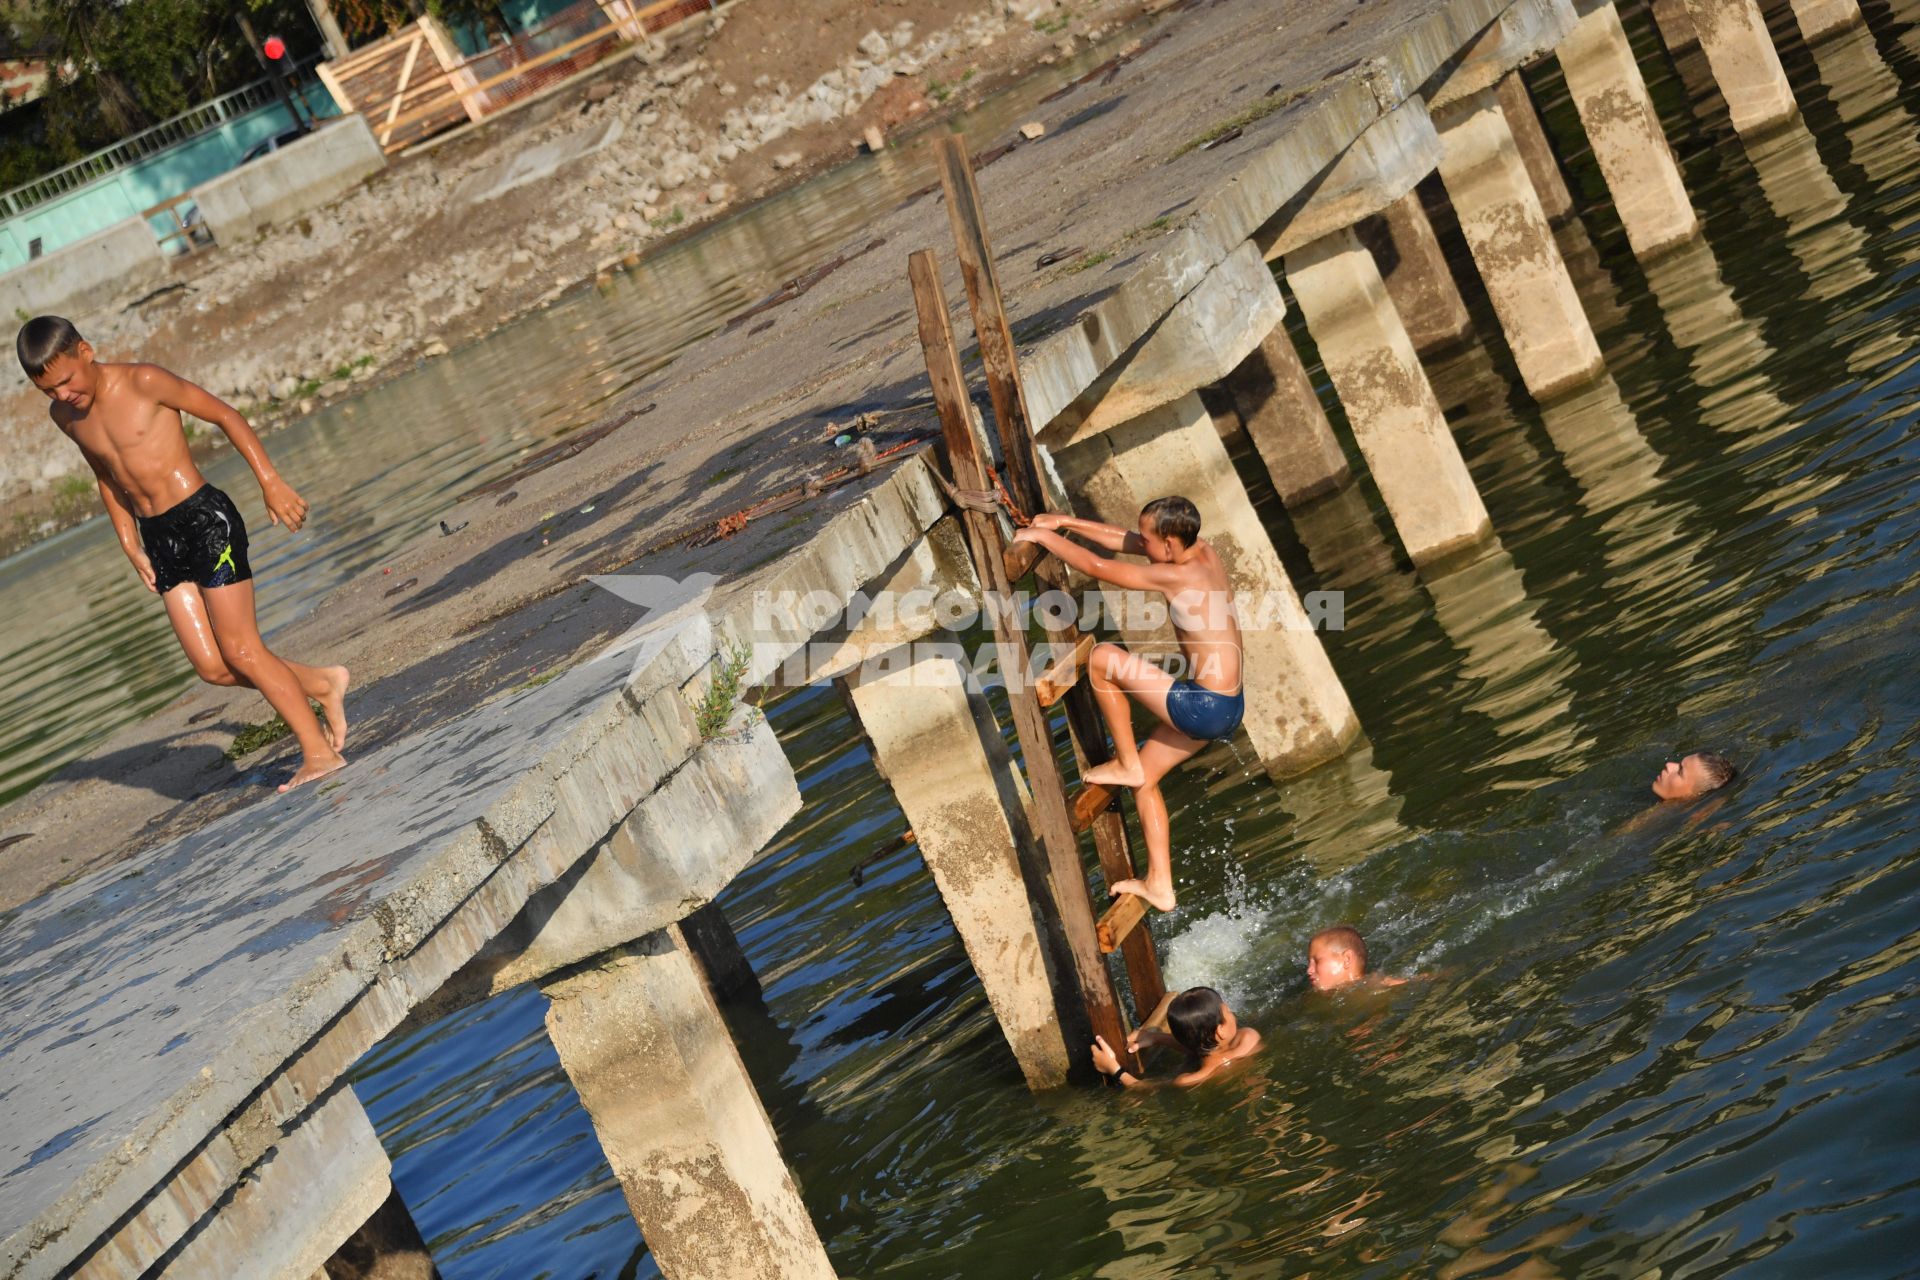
[
  {"x": 1160, "y": 896},
  {"x": 1113, "y": 774},
  {"x": 334, "y": 704},
  {"x": 314, "y": 767}
]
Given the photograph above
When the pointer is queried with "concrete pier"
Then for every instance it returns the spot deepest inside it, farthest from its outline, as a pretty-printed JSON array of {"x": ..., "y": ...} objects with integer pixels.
[
  {"x": 1536, "y": 151},
  {"x": 1675, "y": 24},
  {"x": 1396, "y": 420},
  {"x": 1819, "y": 19},
  {"x": 1417, "y": 276},
  {"x": 1514, "y": 249},
  {"x": 1745, "y": 65},
  {"x": 955, "y": 784},
  {"x": 647, "y": 1050},
  {"x": 1628, "y": 143},
  {"x": 1298, "y": 715},
  {"x": 1282, "y": 415}
]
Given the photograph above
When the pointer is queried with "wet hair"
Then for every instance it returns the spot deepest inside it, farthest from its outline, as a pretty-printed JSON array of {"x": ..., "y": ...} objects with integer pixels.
[
  {"x": 1194, "y": 1018},
  {"x": 1344, "y": 937},
  {"x": 44, "y": 339},
  {"x": 1173, "y": 517},
  {"x": 1718, "y": 768}
]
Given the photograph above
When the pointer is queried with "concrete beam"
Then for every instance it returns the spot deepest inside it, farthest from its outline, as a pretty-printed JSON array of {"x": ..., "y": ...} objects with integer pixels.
[
  {"x": 1206, "y": 334},
  {"x": 678, "y": 1118},
  {"x": 288, "y": 182},
  {"x": 1819, "y": 19},
  {"x": 1513, "y": 247},
  {"x": 1628, "y": 143},
  {"x": 1283, "y": 417},
  {"x": 1525, "y": 33},
  {"x": 1395, "y": 416},
  {"x": 1418, "y": 279},
  {"x": 1298, "y": 715},
  {"x": 122, "y": 261},
  {"x": 1380, "y": 168},
  {"x": 294, "y": 1209},
  {"x": 1745, "y": 64},
  {"x": 953, "y": 779}
]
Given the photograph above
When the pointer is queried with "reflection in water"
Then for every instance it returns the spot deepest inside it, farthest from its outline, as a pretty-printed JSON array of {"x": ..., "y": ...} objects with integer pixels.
[
  {"x": 1728, "y": 350},
  {"x": 1883, "y": 137},
  {"x": 1803, "y": 194}
]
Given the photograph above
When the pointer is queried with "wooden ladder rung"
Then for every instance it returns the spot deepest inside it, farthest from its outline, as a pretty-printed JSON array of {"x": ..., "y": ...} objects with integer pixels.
[
  {"x": 1020, "y": 559},
  {"x": 1052, "y": 684},
  {"x": 1121, "y": 919},
  {"x": 1089, "y": 803}
]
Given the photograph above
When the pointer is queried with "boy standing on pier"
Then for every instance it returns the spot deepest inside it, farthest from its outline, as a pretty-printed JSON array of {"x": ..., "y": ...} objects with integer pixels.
[
  {"x": 1202, "y": 708},
  {"x": 185, "y": 538}
]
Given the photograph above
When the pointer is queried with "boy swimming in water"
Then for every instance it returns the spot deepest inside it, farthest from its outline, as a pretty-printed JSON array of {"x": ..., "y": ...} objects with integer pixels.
[
  {"x": 1197, "y": 1021},
  {"x": 185, "y": 538},
  {"x": 1337, "y": 957},
  {"x": 1206, "y": 707},
  {"x": 1693, "y": 775}
]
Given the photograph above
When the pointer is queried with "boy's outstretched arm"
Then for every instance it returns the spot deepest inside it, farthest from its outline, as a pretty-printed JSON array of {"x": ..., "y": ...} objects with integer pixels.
[
  {"x": 1121, "y": 573},
  {"x": 1108, "y": 537},
  {"x": 284, "y": 506}
]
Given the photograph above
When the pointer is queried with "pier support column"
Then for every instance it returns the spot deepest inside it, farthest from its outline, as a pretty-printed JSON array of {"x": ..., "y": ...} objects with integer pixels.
[
  {"x": 678, "y": 1118},
  {"x": 1282, "y": 416},
  {"x": 1745, "y": 65},
  {"x": 954, "y": 782},
  {"x": 386, "y": 1247},
  {"x": 1391, "y": 406},
  {"x": 1513, "y": 247},
  {"x": 1819, "y": 19},
  {"x": 729, "y": 976},
  {"x": 1417, "y": 275},
  {"x": 1536, "y": 152},
  {"x": 1298, "y": 715},
  {"x": 1676, "y": 25},
  {"x": 1628, "y": 142}
]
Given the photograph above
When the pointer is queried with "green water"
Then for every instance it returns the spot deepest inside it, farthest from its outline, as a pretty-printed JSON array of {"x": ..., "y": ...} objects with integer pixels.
[{"x": 1679, "y": 1048}]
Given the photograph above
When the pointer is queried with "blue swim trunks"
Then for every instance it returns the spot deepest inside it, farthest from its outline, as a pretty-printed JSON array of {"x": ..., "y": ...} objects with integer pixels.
[{"x": 1203, "y": 713}]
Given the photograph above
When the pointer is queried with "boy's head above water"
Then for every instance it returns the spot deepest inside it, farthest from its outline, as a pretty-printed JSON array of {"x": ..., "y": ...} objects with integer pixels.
[
  {"x": 1336, "y": 957},
  {"x": 1693, "y": 775},
  {"x": 58, "y": 360},
  {"x": 1168, "y": 526},
  {"x": 1201, "y": 1021}
]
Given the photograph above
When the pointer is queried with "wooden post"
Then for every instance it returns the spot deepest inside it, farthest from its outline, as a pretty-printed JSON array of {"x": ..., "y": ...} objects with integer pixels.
[
  {"x": 1070, "y": 913},
  {"x": 995, "y": 335}
]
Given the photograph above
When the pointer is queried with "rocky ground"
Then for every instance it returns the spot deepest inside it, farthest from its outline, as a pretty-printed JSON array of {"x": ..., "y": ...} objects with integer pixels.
[{"x": 407, "y": 266}]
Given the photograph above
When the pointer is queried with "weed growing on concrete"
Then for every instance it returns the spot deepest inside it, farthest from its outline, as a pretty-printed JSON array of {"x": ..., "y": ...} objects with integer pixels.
[
  {"x": 939, "y": 90},
  {"x": 1055, "y": 25},
  {"x": 534, "y": 682},
  {"x": 671, "y": 218},
  {"x": 1252, "y": 115},
  {"x": 724, "y": 473},
  {"x": 71, "y": 494},
  {"x": 1090, "y": 261},
  {"x": 716, "y": 707}
]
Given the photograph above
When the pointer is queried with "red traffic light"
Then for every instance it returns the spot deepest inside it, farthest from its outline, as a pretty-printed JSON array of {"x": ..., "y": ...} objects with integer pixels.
[{"x": 275, "y": 48}]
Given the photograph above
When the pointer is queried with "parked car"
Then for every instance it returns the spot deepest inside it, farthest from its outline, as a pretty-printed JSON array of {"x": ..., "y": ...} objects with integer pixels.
[{"x": 274, "y": 143}]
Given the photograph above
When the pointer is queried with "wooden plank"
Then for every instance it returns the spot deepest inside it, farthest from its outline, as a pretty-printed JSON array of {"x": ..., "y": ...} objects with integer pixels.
[
  {"x": 1088, "y": 727},
  {"x": 406, "y": 71},
  {"x": 1120, "y": 920},
  {"x": 1052, "y": 684},
  {"x": 532, "y": 64},
  {"x": 1021, "y": 557},
  {"x": 1091, "y": 803},
  {"x": 1069, "y": 912}
]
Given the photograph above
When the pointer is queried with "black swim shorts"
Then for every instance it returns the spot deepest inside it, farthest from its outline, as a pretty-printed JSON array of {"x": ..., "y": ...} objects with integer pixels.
[{"x": 201, "y": 540}]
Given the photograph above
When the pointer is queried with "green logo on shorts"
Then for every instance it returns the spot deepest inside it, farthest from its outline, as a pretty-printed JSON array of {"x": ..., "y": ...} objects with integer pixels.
[{"x": 226, "y": 558}]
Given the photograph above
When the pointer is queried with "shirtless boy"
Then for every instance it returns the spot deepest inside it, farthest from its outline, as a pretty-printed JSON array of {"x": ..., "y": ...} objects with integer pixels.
[
  {"x": 1693, "y": 775},
  {"x": 185, "y": 537},
  {"x": 1337, "y": 957},
  {"x": 1185, "y": 568},
  {"x": 1199, "y": 1022}
]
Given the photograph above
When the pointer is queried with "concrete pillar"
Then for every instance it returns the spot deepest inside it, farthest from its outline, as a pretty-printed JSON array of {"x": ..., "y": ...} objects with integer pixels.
[
  {"x": 1611, "y": 97},
  {"x": 1819, "y": 19},
  {"x": 1418, "y": 278},
  {"x": 1513, "y": 247},
  {"x": 1536, "y": 152},
  {"x": 1390, "y": 405},
  {"x": 1675, "y": 23},
  {"x": 722, "y": 962},
  {"x": 1745, "y": 65},
  {"x": 678, "y": 1118},
  {"x": 1281, "y": 414},
  {"x": 1298, "y": 715},
  {"x": 953, "y": 780},
  {"x": 386, "y": 1247}
]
